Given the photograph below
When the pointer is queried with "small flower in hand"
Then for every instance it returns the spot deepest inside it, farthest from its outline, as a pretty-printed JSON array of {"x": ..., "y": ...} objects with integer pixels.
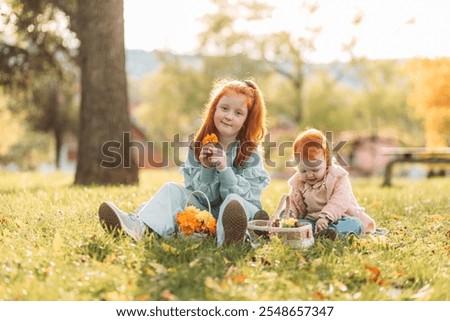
[{"x": 210, "y": 139}]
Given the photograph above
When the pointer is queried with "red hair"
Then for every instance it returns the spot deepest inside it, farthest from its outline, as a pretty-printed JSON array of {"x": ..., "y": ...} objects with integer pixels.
[
  {"x": 254, "y": 126},
  {"x": 308, "y": 145}
]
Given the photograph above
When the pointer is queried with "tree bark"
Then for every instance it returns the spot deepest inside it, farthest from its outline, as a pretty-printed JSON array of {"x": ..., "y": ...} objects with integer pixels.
[{"x": 104, "y": 115}]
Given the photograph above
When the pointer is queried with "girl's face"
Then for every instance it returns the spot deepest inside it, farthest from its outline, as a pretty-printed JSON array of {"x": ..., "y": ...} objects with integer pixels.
[
  {"x": 231, "y": 113},
  {"x": 313, "y": 171}
]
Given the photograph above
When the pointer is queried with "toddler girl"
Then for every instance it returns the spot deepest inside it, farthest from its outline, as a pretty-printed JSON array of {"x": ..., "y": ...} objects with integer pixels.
[{"x": 321, "y": 192}]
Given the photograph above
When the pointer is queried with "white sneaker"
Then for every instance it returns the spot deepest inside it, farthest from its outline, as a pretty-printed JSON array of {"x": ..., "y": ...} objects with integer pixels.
[{"x": 115, "y": 220}]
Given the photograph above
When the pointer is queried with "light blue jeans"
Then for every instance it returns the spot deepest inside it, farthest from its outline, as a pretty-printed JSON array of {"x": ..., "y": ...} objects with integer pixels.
[
  {"x": 344, "y": 226},
  {"x": 160, "y": 212}
]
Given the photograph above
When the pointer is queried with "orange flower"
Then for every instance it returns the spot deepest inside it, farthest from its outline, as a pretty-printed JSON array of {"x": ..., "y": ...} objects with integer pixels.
[
  {"x": 210, "y": 138},
  {"x": 192, "y": 220}
]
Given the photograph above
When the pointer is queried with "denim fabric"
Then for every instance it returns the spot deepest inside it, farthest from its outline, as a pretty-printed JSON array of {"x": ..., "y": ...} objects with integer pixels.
[
  {"x": 344, "y": 226},
  {"x": 160, "y": 212}
]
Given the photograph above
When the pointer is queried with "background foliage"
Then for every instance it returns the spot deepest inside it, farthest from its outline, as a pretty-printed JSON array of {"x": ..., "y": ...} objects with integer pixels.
[{"x": 359, "y": 97}]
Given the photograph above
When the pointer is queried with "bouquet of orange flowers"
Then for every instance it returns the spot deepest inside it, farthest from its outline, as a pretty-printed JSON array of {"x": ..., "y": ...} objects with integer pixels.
[
  {"x": 210, "y": 139},
  {"x": 192, "y": 220}
]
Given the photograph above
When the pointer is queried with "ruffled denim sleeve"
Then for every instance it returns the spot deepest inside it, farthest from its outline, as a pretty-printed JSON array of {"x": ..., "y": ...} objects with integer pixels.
[
  {"x": 200, "y": 178},
  {"x": 249, "y": 181}
]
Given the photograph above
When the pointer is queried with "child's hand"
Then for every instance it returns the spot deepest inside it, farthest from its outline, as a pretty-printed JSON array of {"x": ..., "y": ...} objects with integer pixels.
[
  {"x": 205, "y": 156},
  {"x": 211, "y": 155},
  {"x": 321, "y": 224},
  {"x": 219, "y": 158}
]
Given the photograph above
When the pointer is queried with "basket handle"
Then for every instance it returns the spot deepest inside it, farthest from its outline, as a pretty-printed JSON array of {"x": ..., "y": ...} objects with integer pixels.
[
  {"x": 276, "y": 215},
  {"x": 201, "y": 193}
]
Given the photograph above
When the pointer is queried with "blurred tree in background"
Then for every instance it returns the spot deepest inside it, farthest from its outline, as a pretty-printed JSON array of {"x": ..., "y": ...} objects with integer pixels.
[
  {"x": 37, "y": 49},
  {"x": 431, "y": 98},
  {"x": 38, "y": 68},
  {"x": 172, "y": 99},
  {"x": 230, "y": 31}
]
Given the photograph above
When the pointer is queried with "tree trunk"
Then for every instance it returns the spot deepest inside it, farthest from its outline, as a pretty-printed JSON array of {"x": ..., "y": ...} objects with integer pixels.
[
  {"x": 58, "y": 144},
  {"x": 104, "y": 115}
]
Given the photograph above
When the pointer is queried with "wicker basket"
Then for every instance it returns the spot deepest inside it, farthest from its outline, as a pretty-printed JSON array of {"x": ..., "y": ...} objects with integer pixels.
[
  {"x": 195, "y": 235},
  {"x": 297, "y": 237}
]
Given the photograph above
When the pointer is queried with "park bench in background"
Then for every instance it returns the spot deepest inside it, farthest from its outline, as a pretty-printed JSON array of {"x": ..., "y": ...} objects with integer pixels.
[{"x": 413, "y": 155}]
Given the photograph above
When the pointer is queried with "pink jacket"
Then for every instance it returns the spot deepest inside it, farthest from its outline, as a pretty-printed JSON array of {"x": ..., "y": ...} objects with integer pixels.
[{"x": 340, "y": 200}]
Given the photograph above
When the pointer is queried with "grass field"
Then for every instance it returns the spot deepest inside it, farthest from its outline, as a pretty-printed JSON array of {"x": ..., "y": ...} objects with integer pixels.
[{"x": 53, "y": 248}]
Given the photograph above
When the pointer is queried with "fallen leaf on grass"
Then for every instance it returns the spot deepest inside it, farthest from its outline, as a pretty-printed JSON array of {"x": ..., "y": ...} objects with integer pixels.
[
  {"x": 376, "y": 203},
  {"x": 143, "y": 297},
  {"x": 400, "y": 273},
  {"x": 115, "y": 296},
  {"x": 395, "y": 217},
  {"x": 166, "y": 295},
  {"x": 238, "y": 278},
  {"x": 169, "y": 249},
  {"x": 341, "y": 286},
  {"x": 375, "y": 274},
  {"x": 158, "y": 268},
  {"x": 3, "y": 220},
  {"x": 318, "y": 295},
  {"x": 194, "y": 262}
]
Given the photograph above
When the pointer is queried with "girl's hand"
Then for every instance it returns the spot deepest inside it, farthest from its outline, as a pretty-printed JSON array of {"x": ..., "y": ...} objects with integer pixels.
[
  {"x": 321, "y": 224},
  {"x": 205, "y": 156},
  {"x": 219, "y": 158}
]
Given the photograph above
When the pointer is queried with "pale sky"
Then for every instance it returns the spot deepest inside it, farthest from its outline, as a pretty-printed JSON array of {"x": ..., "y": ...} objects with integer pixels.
[{"x": 389, "y": 29}]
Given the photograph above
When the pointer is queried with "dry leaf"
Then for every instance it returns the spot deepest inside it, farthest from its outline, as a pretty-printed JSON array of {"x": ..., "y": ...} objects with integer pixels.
[
  {"x": 115, "y": 296},
  {"x": 158, "y": 268},
  {"x": 166, "y": 295},
  {"x": 3, "y": 220},
  {"x": 238, "y": 279},
  {"x": 169, "y": 249},
  {"x": 318, "y": 295},
  {"x": 341, "y": 286},
  {"x": 375, "y": 271},
  {"x": 376, "y": 274}
]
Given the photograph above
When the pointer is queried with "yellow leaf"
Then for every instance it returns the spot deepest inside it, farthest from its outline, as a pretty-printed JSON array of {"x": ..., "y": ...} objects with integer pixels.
[
  {"x": 169, "y": 249},
  {"x": 341, "y": 286},
  {"x": 168, "y": 296},
  {"x": 3, "y": 220},
  {"x": 194, "y": 263},
  {"x": 213, "y": 285},
  {"x": 377, "y": 204},
  {"x": 158, "y": 268},
  {"x": 150, "y": 272},
  {"x": 115, "y": 296}
]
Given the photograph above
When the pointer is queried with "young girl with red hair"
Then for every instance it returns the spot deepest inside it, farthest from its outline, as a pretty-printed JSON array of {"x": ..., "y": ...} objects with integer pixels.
[
  {"x": 321, "y": 193},
  {"x": 230, "y": 173}
]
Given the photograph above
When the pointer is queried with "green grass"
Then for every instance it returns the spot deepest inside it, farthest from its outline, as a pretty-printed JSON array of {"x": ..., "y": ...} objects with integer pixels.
[{"x": 53, "y": 248}]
